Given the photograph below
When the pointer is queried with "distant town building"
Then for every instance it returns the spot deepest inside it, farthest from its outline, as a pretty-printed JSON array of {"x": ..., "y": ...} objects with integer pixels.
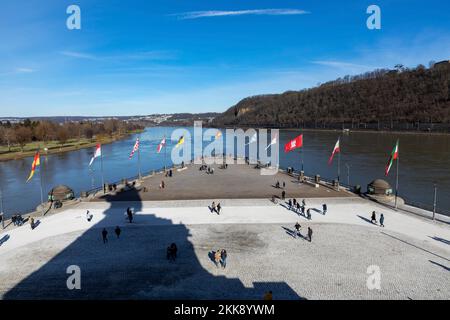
[{"x": 442, "y": 63}]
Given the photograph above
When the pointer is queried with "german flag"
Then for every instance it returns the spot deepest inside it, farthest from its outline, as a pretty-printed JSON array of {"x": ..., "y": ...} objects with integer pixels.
[{"x": 36, "y": 162}]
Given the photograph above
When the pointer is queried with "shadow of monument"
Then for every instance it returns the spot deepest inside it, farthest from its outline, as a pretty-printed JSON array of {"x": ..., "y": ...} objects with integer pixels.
[{"x": 134, "y": 266}]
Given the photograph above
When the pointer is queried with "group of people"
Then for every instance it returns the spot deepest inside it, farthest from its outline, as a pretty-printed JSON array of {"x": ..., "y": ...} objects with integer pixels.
[
  {"x": 220, "y": 258},
  {"x": 17, "y": 220},
  {"x": 278, "y": 185},
  {"x": 215, "y": 208},
  {"x": 117, "y": 231},
  {"x": 374, "y": 219},
  {"x": 297, "y": 227},
  {"x": 172, "y": 252},
  {"x": 298, "y": 208},
  {"x": 169, "y": 173}
]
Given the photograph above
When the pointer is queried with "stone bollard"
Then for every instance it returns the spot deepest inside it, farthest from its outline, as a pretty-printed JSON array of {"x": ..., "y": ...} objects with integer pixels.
[{"x": 317, "y": 178}]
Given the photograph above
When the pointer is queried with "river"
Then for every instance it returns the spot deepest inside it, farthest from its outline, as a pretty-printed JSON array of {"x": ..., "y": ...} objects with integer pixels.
[{"x": 424, "y": 160}]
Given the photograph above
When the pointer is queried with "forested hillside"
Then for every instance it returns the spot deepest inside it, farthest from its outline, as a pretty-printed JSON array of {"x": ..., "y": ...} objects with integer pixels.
[{"x": 405, "y": 99}]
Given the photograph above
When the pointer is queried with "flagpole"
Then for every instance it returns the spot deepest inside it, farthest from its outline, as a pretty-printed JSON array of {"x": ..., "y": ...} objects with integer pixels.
[
  {"x": 139, "y": 160},
  {"x": 101, "y": 168},
  {"x": 165, "y": 151},
  {"x": 2, "y": 216},
  {"x": 396, "y": 182},
  {"x": 339, "y": 168},
  {"x": 42, "y": 192}
]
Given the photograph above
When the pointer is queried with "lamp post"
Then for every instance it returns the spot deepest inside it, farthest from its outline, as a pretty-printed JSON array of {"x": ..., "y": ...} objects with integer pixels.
[
  {"x": 348, "y": 173},
  {"x": 434, "y": 202},
  {"x": 2, "y": 216}
]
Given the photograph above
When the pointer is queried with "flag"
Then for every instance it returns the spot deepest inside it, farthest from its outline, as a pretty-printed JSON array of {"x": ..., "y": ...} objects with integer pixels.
[
  {"x": 36, "y": 162},
  {"x": 98, "y": 153},
  {"x": 253, "y": 138},
  {"x": 218, "y": 134},
  {"x": 180, "y": 142},
  {"x": 274, "y": 141},
  {"x": 161, "y": 145},
  {"x": 293, "y": 144},
  {"x": 335, "y": 150},
  {"x": 135, "y": 148},
  {"x": 394, "y": 156}
]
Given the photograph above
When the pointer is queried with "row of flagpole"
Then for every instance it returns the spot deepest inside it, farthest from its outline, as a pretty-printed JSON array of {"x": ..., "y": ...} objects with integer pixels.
[{"x": 291, "y": 145}]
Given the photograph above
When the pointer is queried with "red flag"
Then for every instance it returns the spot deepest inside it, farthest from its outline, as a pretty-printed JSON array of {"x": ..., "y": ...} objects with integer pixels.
[
  {"x": 293, "y": 144},
  {"x": 161, "y": 145},
  {"x": 335, "y": 150},
  {"x": 36, "y": 162},
  {"x": 135, "y": 148}
]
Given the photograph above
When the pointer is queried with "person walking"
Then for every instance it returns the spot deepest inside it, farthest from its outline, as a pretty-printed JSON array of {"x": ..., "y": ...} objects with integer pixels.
[
  {"x": 283, "y": 195},
  {"x": 219, "y": 207},
  {"x": 297, "y": 228},
  {"x": 374, "y": 217},
  {"x": 310, "y": 233},
  {"x": 117, "y": 231},
  {"x": 284, "y": 184},
  {"x": 308, "y": 214},
  {"x": 213, "y": 207},
  {"x": 324, "y": 209},
  {"x": 105, "y": 235},
  {"x": 217, "y": 257},
  {"x": 303, "y": 203},
  {"x": 290, "y": 204},
  {"x": 32, "y": 223},
  {"x": 382, "y": 220},
  {"x": 298, "y": 208},
  {"x": 88, "y": 216},
  {"x": 223, "y": 256},
  {"x": 173, "y": 251},
  {"x": 303, "y": 210},
  {"x": 294, "y": 201},
  {"x": 130, "y": 215}
]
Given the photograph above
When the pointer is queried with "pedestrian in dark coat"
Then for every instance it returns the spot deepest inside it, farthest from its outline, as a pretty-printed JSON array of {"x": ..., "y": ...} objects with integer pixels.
[
  {"x": 310, "y": 233},
  {"x": 374, "y": 217},
  {"x": 382, "y": 220},
  {"x": 105, "y": 235},
  {"x": 117, "y": 231}
]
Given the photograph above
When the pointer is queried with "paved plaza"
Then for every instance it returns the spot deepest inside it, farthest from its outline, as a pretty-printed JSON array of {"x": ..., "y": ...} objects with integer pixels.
[
  {"x": 236, "y": 182},
  {"x": 413, "y": 254}
]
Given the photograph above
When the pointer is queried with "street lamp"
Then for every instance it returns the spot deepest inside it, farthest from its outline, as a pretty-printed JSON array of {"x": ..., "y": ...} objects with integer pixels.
[{"x": 348, "y": 173}]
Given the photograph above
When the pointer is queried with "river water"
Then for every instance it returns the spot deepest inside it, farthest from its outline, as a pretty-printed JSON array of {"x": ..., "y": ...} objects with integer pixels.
[{"x": 424, "y": 161}]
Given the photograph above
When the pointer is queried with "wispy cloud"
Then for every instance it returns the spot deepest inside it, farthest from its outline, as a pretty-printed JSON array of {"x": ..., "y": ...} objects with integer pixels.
[
  {"x": 218, "y": 13},
  {"x": 24, "y": 70},
  {"x": 345, "y": 66},
  {"x": 78, "y": 55},
  {"x": 141, "y": 55}
]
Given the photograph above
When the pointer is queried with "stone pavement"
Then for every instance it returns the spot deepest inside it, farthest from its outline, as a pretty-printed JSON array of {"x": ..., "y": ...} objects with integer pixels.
[{"x": 412, "y": 253}]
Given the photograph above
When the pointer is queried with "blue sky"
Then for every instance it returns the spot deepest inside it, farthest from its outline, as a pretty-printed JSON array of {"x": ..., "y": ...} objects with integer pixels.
[{"x": 162, "y": 56}]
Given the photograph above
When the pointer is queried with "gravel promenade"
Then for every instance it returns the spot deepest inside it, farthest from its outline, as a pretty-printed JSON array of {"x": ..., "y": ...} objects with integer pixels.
[{"x": 413, "y": 254}]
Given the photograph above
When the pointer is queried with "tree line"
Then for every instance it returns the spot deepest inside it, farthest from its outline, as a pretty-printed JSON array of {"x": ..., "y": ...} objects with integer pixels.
[
  {"x": 20, "y": 134},
  {"x": 383, "y": 99}
]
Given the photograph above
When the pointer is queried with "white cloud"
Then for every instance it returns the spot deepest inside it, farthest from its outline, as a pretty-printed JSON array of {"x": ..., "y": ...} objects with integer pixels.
[
  {"x": 24, "y": 70},
  {"x": 347, "y": 66},
  {"x": 218, "y": 13},
  {"x": 78, "y": 55}
]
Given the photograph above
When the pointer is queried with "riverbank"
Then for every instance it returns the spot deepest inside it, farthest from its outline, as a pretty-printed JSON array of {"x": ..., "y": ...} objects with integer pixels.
[
  {"x": 409, "y": 132},
  {"x": 53, "y": 147}
]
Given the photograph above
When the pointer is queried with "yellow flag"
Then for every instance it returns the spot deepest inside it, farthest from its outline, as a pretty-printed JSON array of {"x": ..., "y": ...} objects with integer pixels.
[
  {"x": 180, "y": 142},
  {"x": 36, "y": 162}
]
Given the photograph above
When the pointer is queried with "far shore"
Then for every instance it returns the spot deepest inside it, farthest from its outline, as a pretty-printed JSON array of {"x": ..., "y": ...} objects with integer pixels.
[
  {"x": 73, "y": 145},
  {"x": 337, "y": 130}
]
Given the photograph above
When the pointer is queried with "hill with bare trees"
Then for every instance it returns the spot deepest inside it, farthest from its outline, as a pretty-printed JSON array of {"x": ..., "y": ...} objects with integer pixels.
[{"x": 400, "y": 99}]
